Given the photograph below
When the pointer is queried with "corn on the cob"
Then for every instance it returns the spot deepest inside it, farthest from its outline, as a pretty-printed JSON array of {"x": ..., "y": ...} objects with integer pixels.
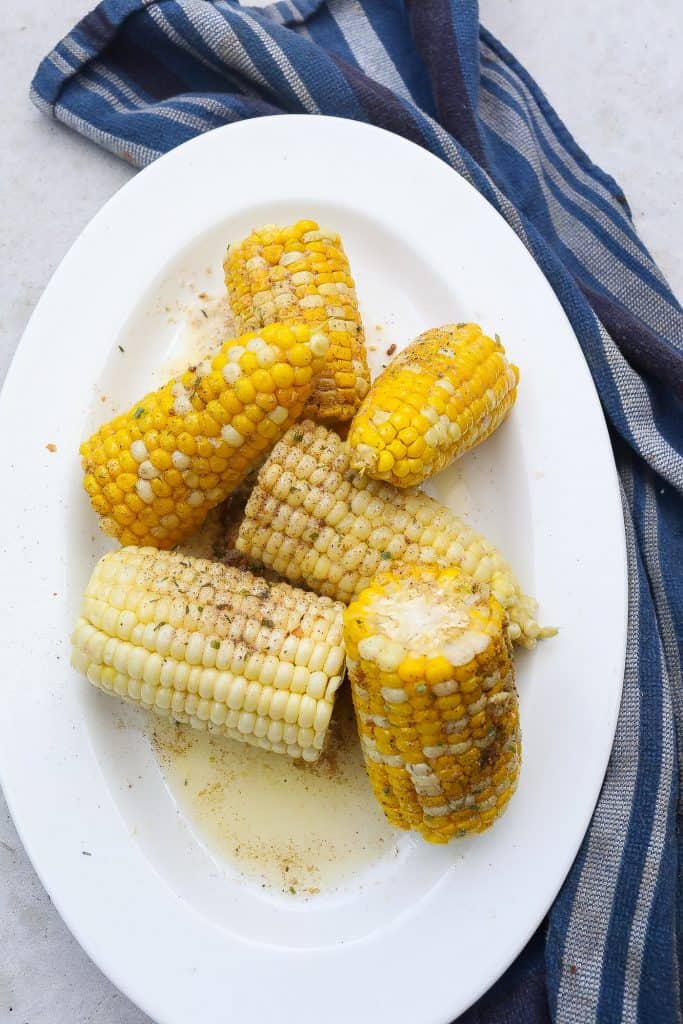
[
  {"x": 153, "y": 473},
  {"x": 432, "y": 679},
  {"x": 214, "y": 646},
  {"x": 439, "y": 397},
  {"x": 301, "y": 273},
  {"x": 316, "y": 521}
]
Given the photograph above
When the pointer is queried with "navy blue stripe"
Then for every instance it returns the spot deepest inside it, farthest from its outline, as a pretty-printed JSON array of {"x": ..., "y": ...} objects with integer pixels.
[
  {"x": 647, "y": 780},
  {"x": 442, "y": 61}
]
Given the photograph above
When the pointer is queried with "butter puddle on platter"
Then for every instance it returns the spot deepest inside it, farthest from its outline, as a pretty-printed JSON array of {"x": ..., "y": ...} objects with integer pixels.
[{"x": 303, "y": 829}]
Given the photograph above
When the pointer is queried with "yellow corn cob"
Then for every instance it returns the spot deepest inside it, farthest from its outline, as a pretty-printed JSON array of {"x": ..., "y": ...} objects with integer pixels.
[
  {"x": 213, "y": 646},
  {"x": 153, "y": 473},
  {"x": 439, "y": 397},
  {"x": 315, "y": 521},
  {"x": 432, "y": 679},
  {"x": 301, "y": 273}
]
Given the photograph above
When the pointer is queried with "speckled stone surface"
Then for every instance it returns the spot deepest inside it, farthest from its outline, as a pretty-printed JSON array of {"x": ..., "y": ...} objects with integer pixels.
[{"x": 612, "y": 71}]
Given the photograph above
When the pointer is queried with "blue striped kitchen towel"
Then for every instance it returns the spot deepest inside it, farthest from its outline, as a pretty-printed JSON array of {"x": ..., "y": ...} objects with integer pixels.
[{"x": 142, "y": 76}]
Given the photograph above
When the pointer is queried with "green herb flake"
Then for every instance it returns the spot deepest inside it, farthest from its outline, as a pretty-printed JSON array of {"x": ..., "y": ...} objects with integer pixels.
[
  {"x": 268, "y": 623},
  {"x": 421, "y": 688},
  {"x": 200, "y": 608},
  {"x": 292, "y": 890},
  {"x": 86, "y": 853},
  {"x": 187, "y": 609},
  {"x": 216, "y": 644},
  {"x": 314, "y": 536},
  {"x": 138, "y": 412},
  {"x": 386, "y": 555},
  {"x": 159, "y": 625},
  {"x": 297, "y": 438},
  {"x": 204, "y": 313},
  {"x": 120, "y": 348},
  {"x": 497, "y": 337},
  {"x": 461, "y": 325}
]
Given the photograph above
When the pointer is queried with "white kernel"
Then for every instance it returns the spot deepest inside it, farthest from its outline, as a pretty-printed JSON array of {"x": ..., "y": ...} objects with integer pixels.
[
  {"x": 278, "y": 704},
  {"x": 319, "y": 343},
  {"x": 278, "y": 415},
  {"x": 254, "y": 344},
  {"x": 290, "y": 257},
  {"x": 195, "y": 650},
  {"x": 275, "y": 731},
  {"x": 317, "y": 685},
  {"x": 394, "y": 695},
  {"x": 195, "y": 499},
  {"x": 246, "y": 722},
  {"x": 232, "y": 436},
  {"x": 323, "y": 713},
  {"x": 266, "y": 357},
  {"x": 307, "y": 710},
  {"x": 138, "y": 450},
  {"x": 283, "y": 676},
  {"x": 303, "y": 277},
  {"x": 237, "y": 692},
  {"x": 147, "y": 471},
  {"x": 235, "y": 353},
  {"x": 292, "y": 708},
  {"x": 180, "y": 460},
  {"x": 182, "y": 406},
  {"x": 231, "y": 372},
  {"x": 311, "y": 301},
  {"x": 144, "y": 491}
]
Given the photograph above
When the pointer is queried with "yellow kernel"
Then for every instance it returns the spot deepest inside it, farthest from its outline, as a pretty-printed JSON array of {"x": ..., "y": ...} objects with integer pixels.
[
  {"x": 249, "y": 362},
  {"x": 263, "y": 381},
  {"x": 283, "y": 375},
  {"x": 161, "y": 459},
  {"x": 244, "y": 390},
  {"x": 412, "y": 669},
  {"x": 113, "y": 493},
  {"x": 192, "y": 424},
  {"x": 385, "y": 461},
  {"x": 438, "y": 669},
  {"x": 300, "y": 355},
  {"x": 302, "y": 375}
]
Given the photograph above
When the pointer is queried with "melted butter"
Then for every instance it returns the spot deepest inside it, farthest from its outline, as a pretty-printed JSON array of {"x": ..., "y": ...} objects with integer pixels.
[
  {"x": 296, "y": 827},
  {"x": 206, "y": 323}
]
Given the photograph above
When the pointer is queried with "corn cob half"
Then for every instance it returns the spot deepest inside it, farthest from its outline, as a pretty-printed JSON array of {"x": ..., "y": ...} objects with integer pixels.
[
  {"x": 432, "y": 679},
  {"x": 314, "y": 520},
  {"x": 154, "y": 473},
  {"x": 301, "y": 273},
  {"x": 439, "y": 397},
  {"x": 214, "y": 646}
]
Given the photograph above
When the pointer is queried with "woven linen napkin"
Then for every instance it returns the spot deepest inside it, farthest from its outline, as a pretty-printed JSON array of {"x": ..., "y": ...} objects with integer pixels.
[{"x": 141, "y": 76}]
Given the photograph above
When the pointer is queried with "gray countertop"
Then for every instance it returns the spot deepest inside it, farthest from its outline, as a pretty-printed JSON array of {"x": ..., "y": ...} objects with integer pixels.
[{"x": 613, "y": 72}]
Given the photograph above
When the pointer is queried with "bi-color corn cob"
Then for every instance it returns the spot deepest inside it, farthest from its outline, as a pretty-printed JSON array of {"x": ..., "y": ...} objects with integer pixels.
[
  {"x": 314, "y": 520},
  {"x": 436, "y": 399},
  {"x": 432, "y": 679},
  {"x": 154, "y": 473},
  {"x": 213, "y": 646},
  {"x": 301, "y": 273}
]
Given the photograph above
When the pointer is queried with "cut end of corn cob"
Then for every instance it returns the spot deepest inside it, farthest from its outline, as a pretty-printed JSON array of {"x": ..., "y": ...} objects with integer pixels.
[
  {"x": 439, "y": 397},
  {"x": 154, "y": 472},
  {"x": 432, "y": 679},
  {"x": 213, "y": 646},
  {"x": 301, "y": 274},
  {"x": 314, "y": 520}
]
